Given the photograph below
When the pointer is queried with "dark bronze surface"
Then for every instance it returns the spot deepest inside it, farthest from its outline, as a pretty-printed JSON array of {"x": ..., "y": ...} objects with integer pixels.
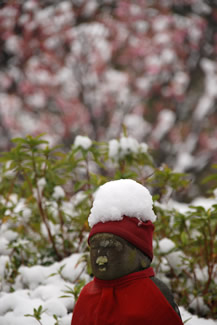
[{"x": 113, "y": 257}]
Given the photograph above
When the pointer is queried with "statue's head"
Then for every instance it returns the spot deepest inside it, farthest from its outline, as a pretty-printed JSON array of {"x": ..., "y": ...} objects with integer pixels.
[
  {"x": 113, "y": 257},
  {"x": 121, "y": 236}
]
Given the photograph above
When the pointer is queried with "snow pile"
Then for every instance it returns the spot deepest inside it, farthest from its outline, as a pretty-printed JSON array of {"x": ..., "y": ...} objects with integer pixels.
[
  {"x": 195, "y": 320},
  {"x": 58, "y": 193},
  {"x": 166, "y": 245},
  {"x": 113, "y": 148},
  {"x": 166, "y": 120},
  {"x": 198, "y": 304},
  {"x": 43, "y": 286},
  {"x": 121, "y": 197},
  {"x": 207, "y": 100},
  {"x": 126, "y": 146},
  {"x": 83, "y": 142},
  {"x": 206, "y": 203},
  {"x": 136, "y": 126},
  {"x": 173, "y": 258}
]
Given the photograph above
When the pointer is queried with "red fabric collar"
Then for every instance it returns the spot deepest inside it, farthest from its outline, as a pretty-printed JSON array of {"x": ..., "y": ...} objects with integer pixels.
[
  {"x": 147, "y": 273},
  {"x": 124, "y": 301}
]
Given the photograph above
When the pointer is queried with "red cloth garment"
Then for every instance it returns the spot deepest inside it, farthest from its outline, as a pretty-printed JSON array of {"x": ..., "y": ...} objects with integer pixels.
[{"x": 133, "y": 299}]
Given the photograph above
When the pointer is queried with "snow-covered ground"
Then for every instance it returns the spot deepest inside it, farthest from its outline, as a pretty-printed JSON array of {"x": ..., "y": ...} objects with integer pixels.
[
  {"x": 42, "y": 286},
  {"x": 46, "y": 285},
  {"x": 37, "y": 286}
]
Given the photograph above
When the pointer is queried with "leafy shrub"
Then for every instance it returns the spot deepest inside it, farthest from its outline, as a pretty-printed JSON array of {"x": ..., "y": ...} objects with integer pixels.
[
  {"x": 190, "y": 262},
  {"x": 46, "y": 196}
]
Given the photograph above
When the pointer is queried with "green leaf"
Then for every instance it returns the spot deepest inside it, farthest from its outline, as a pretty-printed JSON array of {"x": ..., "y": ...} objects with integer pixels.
[
  {"x": 187, "y": 320},
  {"x": 184, "y": 237}
]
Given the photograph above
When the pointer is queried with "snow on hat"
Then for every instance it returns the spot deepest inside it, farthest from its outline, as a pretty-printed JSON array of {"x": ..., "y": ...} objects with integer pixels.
[{"x": 124, "y": 208}]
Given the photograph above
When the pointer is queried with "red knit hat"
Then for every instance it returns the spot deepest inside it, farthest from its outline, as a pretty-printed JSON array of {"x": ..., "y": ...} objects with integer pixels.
[{"x": 133, "y": 230}]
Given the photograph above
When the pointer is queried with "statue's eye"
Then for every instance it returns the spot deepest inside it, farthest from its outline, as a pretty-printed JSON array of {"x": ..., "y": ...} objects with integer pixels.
[
  {"x": 94, "y": 243},
  {"x": 106, "y": 242}
]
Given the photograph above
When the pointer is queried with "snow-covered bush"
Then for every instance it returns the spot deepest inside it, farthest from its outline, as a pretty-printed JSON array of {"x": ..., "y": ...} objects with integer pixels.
[
  {"x": 45, "y": 200},
  {"x": 185, "y": 250}
]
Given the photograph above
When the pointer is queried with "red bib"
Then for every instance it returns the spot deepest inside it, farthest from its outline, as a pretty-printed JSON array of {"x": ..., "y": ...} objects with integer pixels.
[{"x": 133, "y": 299}]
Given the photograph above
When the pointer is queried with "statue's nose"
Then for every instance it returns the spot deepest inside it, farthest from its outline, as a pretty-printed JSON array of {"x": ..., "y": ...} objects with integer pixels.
[{"x": 101, "y": 260}]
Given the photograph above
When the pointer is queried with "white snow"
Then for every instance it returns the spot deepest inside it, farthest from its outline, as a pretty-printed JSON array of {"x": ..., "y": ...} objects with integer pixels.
[
  {"x": 153, "y": 64},
  {"x": 166, "y": 120},
  {"x": 195, "y": 320},
  {"x": 128, "y": 145},
  {"x": 168, "y": 56},
  {"x": 7, "y": 233},
  {"x": 116, "y": 80},
  {"x": 4, "y": 259},
  {"x": 26, "y": 214},
  {"x": 4, "y": 250},
  {"x": 203, "y": 107},
  {"x": 122, "y": 197},
  {"x": 136, "y": 126},
  {"x": 181, "y": 80},
  {"x": 160, "y": 23},
  {"x": 45, "y": 286},
  {"x": 202, "y": 274},
  {"x": 143, "y": 147},
  {"x": 162, "y": 38},
  {"x": 95, "y": 35},
  {"x": 41, "y": 183},
  {"x": 198, "y": 304},
  {"x": 166, "y": 245},
  {"x": 53, "y": 307},
  {"x": 173, "y": 258},
  {"x": 125, "y": 146},
  {"x": 83, "y": 142},
  {"x": 113, "y": 148},
  {"x": 206, "y": 103},
  {"x": 58, "y": 193},
  {"x": 206, "y": 203},
  {"x": 184, "y": 160},
  {"x": 30, "y": 5},
  {"x": 37, "y": 100},
  {"x": 13, "y": 44}
]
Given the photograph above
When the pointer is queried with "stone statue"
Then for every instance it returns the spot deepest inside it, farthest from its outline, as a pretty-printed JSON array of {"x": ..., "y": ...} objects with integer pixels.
[
  {"x": 113, "y": 257},
  {"x": 124, "y": 290}
]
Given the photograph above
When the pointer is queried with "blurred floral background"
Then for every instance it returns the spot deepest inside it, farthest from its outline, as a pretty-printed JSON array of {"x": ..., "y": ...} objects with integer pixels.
[
  {"x": 89, "y": 67},
  {"x": 128, "y": 89},
  {"x": 96, "y": 90}
]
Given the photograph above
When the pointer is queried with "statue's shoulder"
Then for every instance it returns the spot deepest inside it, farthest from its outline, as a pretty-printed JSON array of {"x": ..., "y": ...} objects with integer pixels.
[{"x": 166, "y": 292}]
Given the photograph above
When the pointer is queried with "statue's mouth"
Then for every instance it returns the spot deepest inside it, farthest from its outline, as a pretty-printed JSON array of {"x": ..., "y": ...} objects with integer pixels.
[{"x": 102, "y": 262}]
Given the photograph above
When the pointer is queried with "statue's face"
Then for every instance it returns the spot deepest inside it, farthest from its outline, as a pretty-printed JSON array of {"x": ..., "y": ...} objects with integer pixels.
[{"x": 113, "y": 257}]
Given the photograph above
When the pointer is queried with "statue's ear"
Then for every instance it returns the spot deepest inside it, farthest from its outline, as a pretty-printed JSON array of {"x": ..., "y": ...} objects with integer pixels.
[{"x": 145, "y": 261}]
